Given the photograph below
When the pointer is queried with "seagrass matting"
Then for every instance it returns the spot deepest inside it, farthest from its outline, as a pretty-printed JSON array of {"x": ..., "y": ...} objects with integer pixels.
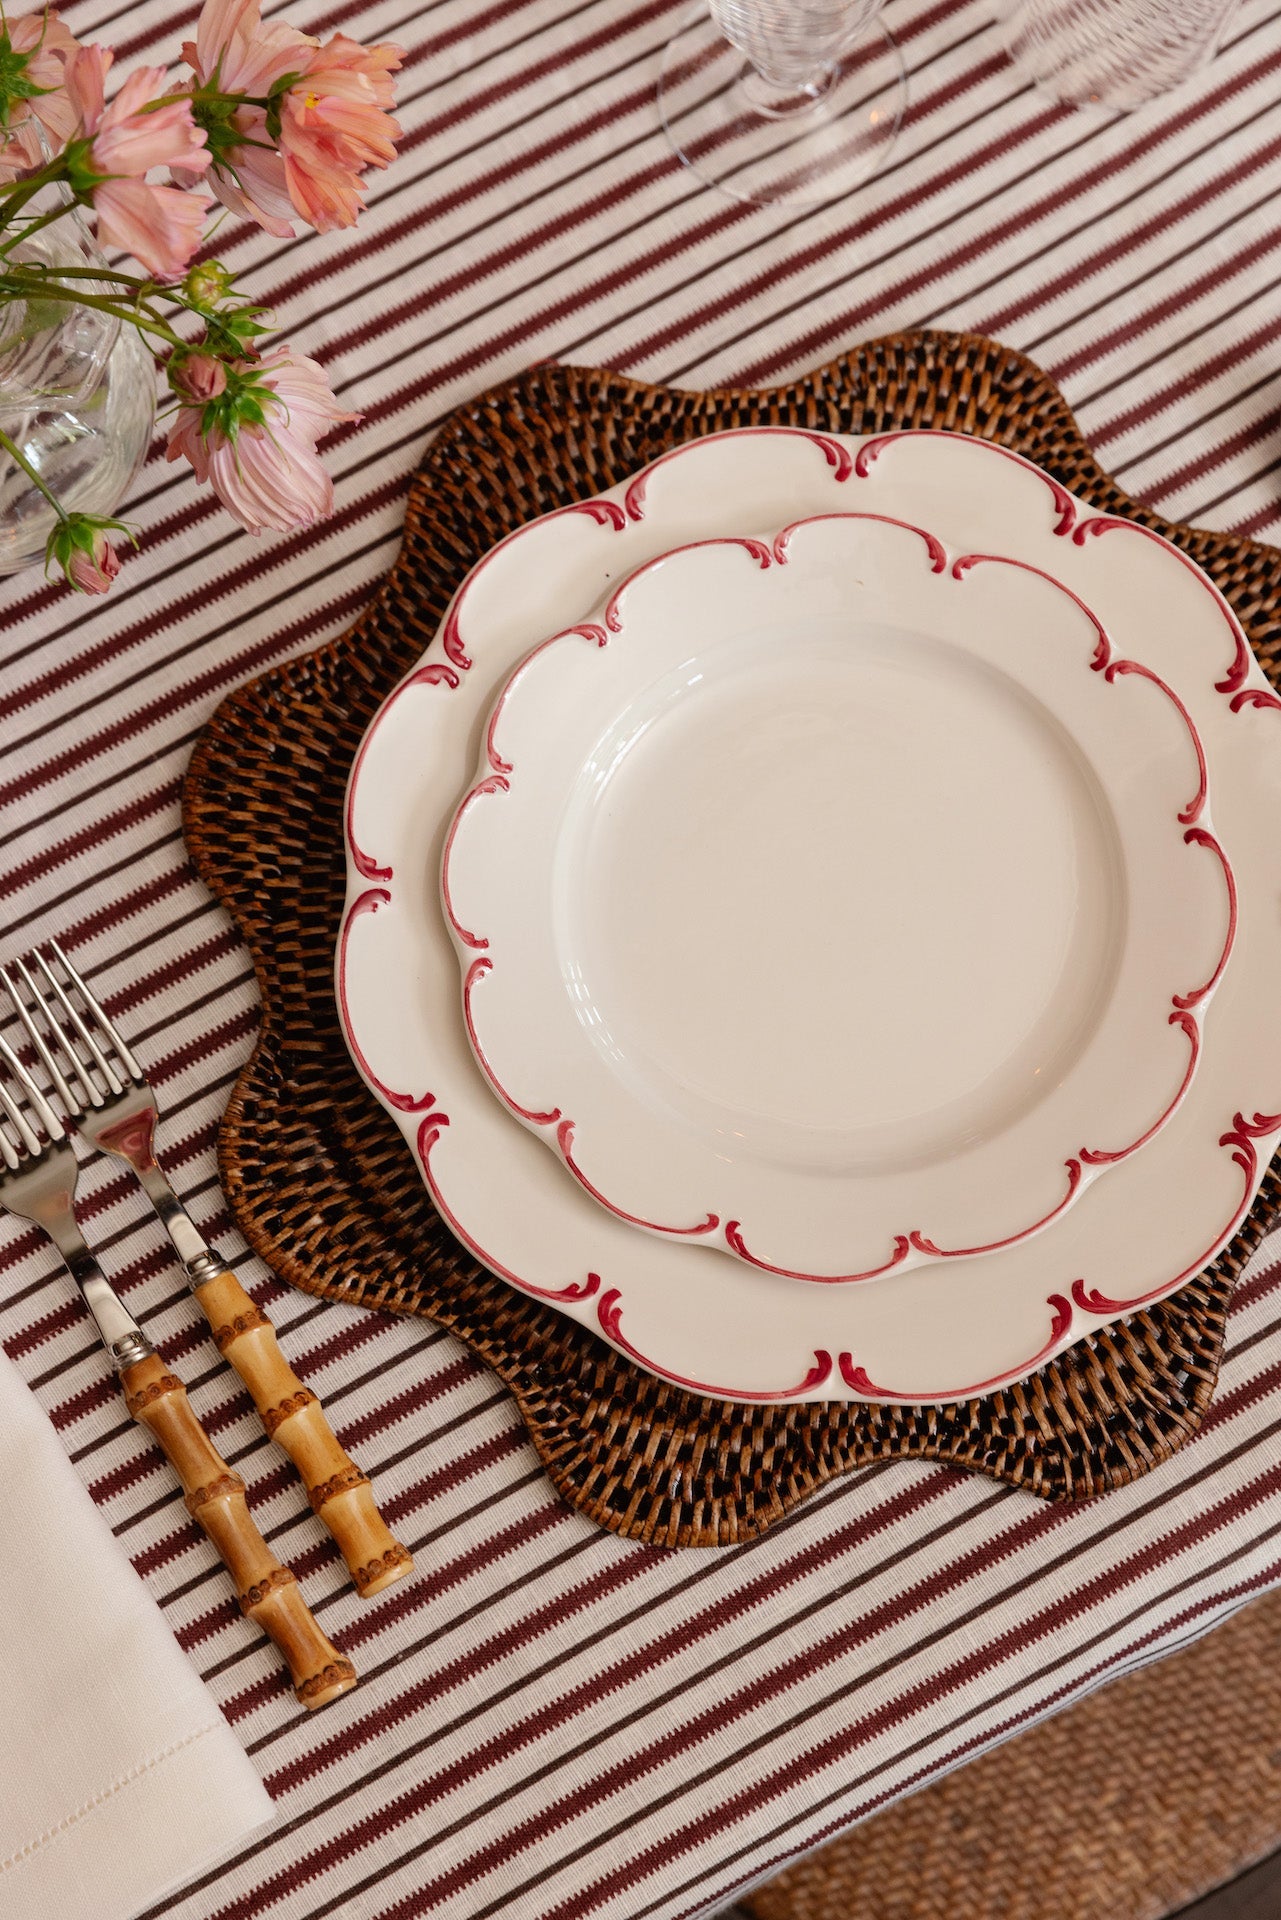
[
  {"x": 1165, "y": 1783},
  {"x": 317, "y": 1176}
]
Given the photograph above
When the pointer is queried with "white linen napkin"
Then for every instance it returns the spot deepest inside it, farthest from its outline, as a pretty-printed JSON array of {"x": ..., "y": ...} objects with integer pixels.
[{"x": 119, "y": 1777}]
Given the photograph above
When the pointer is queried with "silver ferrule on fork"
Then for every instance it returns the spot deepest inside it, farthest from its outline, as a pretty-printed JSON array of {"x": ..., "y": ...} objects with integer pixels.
[
  {"x": 123, "y": 1338},
  {"x": 120, "y": 1333},
  {"x": 118, "y": 1330},
  {"x": 199, "y": 1259}
]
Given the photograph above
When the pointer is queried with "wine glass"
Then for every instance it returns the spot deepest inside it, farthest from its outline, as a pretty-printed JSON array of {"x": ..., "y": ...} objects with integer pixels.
[
  {"x": 1111, "y": 53},
  {"x": 789, "y": 102}
]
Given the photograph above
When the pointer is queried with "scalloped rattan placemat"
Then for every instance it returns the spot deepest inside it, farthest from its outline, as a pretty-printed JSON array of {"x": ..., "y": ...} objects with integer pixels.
[{"x": 318, "y": 1177}]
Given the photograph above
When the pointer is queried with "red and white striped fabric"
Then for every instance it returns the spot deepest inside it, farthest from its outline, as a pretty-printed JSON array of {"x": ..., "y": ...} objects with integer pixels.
[{"x": 553, "y": 1724}]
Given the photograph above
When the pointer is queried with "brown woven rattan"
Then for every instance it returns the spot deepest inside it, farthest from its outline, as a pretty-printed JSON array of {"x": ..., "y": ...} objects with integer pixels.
[
  {"x": 1125, "y": 1806},
  {"x": 314, "y": 1171}
]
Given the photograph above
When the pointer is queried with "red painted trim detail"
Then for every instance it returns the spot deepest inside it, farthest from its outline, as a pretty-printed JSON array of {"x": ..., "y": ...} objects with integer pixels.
[
  {"x": 1075, "y": 1175},
  {"x": 428, "y": 1135},
  {"x": 585, "y": 630},
  {"x": 435, "y": 675},
  {"x": 1103, "y": 646},
  {"x": 1095, "y": 1157},
  {"x": 369, "y": 902},
  {"x": 495, "y": 759},
  {"x": 1195, "y": 806},
  {"x": 477, "y": 971},
  {"x": 734, "y": 1239},
  {"x": 609, "y": 1314},
  {"x": 1112, "y": 669},
  {"x": 605, "y": 513},
  {"x": 613, "y": 610},
  {"x": 1253, "y": 697},
  {"x": 837, "y": 457},
  {"x": 1199, "y": 837},
  {"x": 493, "y": 783},
  {"x": 1241, "y": 1137},
  {"x": 450, "y": 639},
  {"x": 565, "y": 1146},
  {"x": 937, "y": 553},
  {"x": 1241, "y": 655},
  {"x": 1063, "y": 500},
  {"x": 858, "y": 1378}
]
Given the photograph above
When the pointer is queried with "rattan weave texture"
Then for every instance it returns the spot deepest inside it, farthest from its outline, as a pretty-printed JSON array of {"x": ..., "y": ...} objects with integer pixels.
[
  {"x": 1128, "y": 1805},
  {"x": 314, "y": 1171}
]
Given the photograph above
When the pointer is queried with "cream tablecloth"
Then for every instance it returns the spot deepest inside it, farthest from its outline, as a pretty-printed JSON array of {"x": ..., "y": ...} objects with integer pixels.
[{"x": 553, "y": 1724}]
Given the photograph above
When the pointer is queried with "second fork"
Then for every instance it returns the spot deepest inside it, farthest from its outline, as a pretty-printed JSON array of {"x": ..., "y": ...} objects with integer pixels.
[
  {"x": 108, "y": 1099},
  {"x": 38, "y": 1183}
]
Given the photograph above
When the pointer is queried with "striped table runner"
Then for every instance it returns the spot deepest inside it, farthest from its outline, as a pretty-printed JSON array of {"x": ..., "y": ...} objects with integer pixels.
[{"x": 553, "y": 1724}]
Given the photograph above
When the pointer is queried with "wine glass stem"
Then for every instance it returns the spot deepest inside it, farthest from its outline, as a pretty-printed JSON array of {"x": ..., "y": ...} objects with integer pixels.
[
  {"x": 793, "y": 44},
  {"x": 808, "y": 79}
]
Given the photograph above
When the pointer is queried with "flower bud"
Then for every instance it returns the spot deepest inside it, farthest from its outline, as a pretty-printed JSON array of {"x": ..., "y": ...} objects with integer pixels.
[
  {"x": 196, "y": 377},
  {"x": 94, "y": 572},
  {"x": 207, "y": 283},
  {"x": 79, "y": 545}
]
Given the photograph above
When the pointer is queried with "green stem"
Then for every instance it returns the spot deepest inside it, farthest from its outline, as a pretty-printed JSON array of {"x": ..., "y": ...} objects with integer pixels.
[
  {"x": 23, "y": 190},
  {"x": 33, "y": 278},
  {"x": 19, "y": 457},
  {"x": 144, "y": 291},
  {"x": 135, "y": 316},
  {"x": 34, "y": 226},
  {"x": 39, "y": 272}
]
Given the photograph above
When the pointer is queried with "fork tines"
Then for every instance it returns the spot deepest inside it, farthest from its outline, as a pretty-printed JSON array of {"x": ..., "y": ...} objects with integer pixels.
[
  {"x": 50, "y": 1013},
  {"x": 34, "y": 1136}
]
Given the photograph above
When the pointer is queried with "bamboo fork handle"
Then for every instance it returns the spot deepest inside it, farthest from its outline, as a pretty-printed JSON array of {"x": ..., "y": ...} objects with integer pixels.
[
  {"x": 269, "y": 1593},
  {"x": 292, "y": 1415}
]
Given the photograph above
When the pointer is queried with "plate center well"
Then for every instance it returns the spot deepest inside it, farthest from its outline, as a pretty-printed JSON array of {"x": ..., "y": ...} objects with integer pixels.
[{"x": 845, "y": 897}]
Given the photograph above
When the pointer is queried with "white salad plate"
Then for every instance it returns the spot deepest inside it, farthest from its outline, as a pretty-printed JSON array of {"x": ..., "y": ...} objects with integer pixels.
[
  {"x": 943, "y": 1330},
  {"x": 754, "y": 939}
]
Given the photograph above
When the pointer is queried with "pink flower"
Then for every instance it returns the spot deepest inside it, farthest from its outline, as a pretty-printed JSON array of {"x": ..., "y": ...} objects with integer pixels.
[
  {"x": 38, "y": 46},
  {"x": 234, "y": 53},
  {"x": 332, "y": 116},
  {"x": 333, "y": 125},
  {"x": 159, "y": 226},
  {"x": 94, "y": 572},
  {"x": 256, "y": 442}
]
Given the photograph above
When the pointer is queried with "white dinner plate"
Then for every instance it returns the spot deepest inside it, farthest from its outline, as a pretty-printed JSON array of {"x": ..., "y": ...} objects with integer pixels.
[
  {"x": 753, "y": 938},
  {"x": 938, "y": 1332}
]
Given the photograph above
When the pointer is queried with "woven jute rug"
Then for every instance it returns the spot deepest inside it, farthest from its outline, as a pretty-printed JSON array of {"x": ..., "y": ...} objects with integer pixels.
[
  {"x": 318, "y": 1177},
  {"x": 1128, "y": 1806}
]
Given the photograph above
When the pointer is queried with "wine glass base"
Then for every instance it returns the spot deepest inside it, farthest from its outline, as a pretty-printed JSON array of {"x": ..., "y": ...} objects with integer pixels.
[{"x": 771, "y": 146}]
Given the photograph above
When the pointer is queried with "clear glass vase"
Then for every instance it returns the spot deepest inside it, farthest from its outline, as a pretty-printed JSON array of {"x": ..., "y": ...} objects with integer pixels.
[
  {"x": 77, "y": 395},
  {"x": 783, "y": 102},
  {"x": 1111, "y": 53}
]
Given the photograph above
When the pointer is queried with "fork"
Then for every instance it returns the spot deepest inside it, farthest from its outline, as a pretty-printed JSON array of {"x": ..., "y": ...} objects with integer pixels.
[
  {"x": 38, "y": 1182},
  {"x": 117, "y": 1112}
]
